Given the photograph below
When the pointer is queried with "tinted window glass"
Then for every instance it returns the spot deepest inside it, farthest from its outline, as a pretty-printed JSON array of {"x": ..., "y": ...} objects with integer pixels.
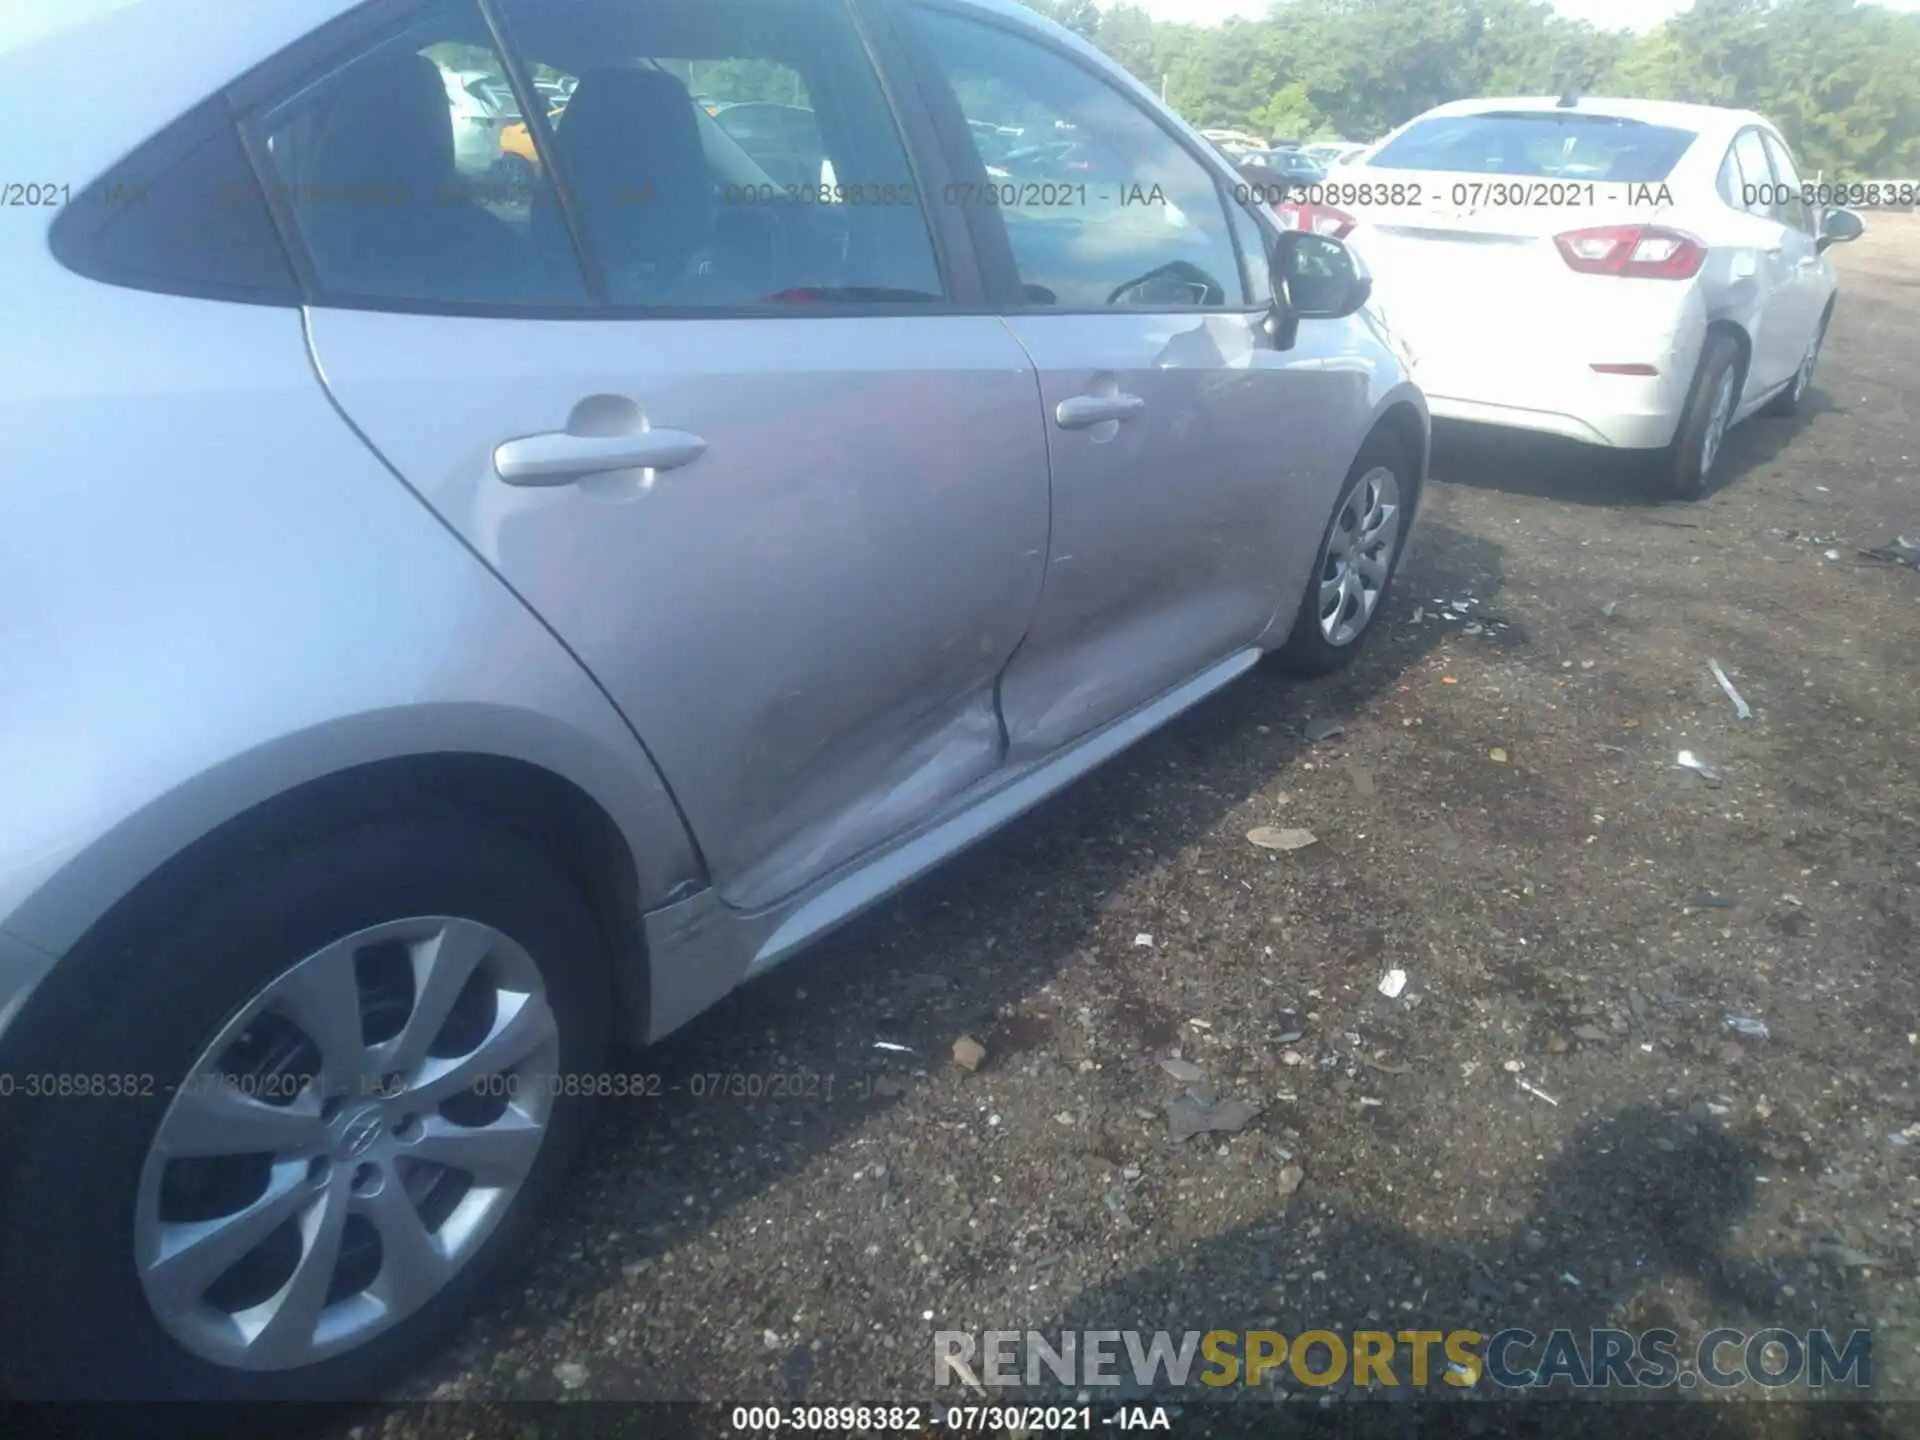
[
  {"x": 1793, "y": 209},
  {"x": 728, "y": 152},
  {"x": 784, "y": 140},
  {"x": 1101, "y": 205},
  {"x": 1252, "y": 239},
  {"x": 183, "y": 213},
  {"x": 411, "y": 177},
  {"x": 1755, "y": 191},
  {"x": 1560, "y": 144}
]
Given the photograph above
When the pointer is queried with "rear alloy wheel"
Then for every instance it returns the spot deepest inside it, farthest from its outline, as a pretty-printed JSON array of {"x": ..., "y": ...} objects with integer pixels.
[
  {"x": 346, "y": 1143},
  {"x": 1686, "y": 467},
  {"x": 1789, "y": 400},
  {"x": 1355, "y": 562},
  {"x": 343, "y": 1070}
]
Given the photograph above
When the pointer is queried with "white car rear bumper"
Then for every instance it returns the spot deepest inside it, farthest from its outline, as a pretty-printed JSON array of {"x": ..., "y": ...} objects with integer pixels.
[
  {"x": 1526, "y": 357},
  {"x": 1623, "y": 429}
]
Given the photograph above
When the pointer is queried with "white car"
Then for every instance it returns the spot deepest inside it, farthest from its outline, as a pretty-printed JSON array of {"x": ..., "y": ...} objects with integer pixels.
[
  {"x": 1630, "y": 273},
  {"x": 1331, "y": 152}
]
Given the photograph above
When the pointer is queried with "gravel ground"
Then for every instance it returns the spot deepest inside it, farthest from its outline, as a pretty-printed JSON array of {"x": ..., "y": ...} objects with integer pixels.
[{"x": 1499, "y": 816}]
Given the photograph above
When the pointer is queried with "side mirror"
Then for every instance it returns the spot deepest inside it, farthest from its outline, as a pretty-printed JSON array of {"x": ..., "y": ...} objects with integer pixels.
[
  {"x": 1315, "y": 277},
  {"x": 1838, "y": 226}
]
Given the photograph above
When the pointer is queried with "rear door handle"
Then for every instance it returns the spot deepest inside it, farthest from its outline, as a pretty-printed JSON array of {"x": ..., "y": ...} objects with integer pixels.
[
  {"x": 561, "y": 457},
  {"x": 1080, "y": 412}
]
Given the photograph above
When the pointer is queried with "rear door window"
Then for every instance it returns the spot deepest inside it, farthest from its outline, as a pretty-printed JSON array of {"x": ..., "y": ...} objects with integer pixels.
[
  {"x": 393, "y": 170},
  {"x": 726, "y": 152},
  {"x": 1550, "y": 144}
]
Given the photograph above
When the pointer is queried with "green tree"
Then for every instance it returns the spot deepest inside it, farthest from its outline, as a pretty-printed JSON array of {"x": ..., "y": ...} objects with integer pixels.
[
  {"x": 1080, "y": 16},
  {"x": 1841, "y": 79}
]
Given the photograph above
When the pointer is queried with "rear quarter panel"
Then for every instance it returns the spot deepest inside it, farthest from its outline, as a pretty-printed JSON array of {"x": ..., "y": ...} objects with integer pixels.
[{"x": 211, "y": 591}]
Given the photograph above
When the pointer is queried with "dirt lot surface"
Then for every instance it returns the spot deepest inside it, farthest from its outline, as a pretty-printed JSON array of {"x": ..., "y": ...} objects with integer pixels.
[{"x": 1500, "y": 817}]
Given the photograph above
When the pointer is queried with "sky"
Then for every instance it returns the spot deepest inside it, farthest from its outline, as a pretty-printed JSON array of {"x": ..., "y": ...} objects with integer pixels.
[
  {"x": 1611, "y": 14},
  {"x": 1633, "y": 14}
]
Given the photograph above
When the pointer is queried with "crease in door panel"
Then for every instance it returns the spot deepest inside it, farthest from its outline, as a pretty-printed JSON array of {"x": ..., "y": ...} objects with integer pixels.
[
  {"x": 326, "y": 388},
  {"x": 1046, "y": 554}
]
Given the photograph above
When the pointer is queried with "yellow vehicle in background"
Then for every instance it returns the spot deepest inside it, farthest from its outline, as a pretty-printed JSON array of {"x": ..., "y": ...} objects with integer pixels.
[
  {"x": 518, "y": 156},
  {"x": 516, "y": 140}
]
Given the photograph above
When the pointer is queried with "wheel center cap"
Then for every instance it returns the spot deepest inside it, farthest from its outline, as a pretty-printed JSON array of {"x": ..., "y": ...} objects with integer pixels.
[{"x": 360, "y": 1133}]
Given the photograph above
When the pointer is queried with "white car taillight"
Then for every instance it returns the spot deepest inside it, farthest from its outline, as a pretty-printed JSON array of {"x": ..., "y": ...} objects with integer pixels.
[{"x": 1641, "y": 251}]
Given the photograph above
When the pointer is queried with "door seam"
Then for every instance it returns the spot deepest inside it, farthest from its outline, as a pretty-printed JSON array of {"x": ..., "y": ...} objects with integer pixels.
[{"x": 1046, "y": 552}]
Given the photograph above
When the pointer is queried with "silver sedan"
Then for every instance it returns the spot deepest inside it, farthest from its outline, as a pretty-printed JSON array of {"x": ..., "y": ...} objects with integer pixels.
[{"x": 450, "y": 627}]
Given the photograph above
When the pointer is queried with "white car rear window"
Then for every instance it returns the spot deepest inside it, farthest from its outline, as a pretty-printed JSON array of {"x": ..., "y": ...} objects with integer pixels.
[{"x": 1561, "y": 144}]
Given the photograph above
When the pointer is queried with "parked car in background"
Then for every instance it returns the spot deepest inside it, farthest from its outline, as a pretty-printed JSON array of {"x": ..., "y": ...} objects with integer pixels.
[
  {"x": 1332, "y": 153},
  {"x": 783, "y": 139},
  {"x": 444, "y": 637},
  {"x": 1281, "y": 171},
  {"x": 1239, "y": 139},
  {"x": 994, "y": 140},
  {"x": 1629, "y": 273}
]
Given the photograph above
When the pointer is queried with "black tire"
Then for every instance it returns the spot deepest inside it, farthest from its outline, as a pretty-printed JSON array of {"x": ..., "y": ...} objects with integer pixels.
[
  {"x": 1789, "y": 400},
  {"x": 1679, "y": 468},
  {"x": 1307, "y": 651},
  {"x": 146, "y": 993}
]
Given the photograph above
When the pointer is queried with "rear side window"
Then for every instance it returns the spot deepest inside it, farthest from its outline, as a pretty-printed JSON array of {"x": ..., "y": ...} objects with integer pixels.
[
  {"x": 181, "y": 214},
  {"x": 1565, "y": 145},
  {"x": 722, "y": 153},
  {"x": 410, "y": 174}
]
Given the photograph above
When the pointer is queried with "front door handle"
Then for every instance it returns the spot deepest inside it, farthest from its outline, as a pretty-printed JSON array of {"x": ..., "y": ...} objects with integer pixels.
[
  {"x": 1082, "y": 412},
  {"x": 561, "y": 457}
]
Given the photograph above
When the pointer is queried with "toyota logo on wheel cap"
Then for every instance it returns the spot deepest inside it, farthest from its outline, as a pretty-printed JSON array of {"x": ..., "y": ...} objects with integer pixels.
[{"x": 357, "y": 1136}]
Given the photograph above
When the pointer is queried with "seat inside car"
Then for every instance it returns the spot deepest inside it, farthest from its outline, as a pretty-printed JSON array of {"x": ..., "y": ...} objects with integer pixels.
[
  {"x": 381, "y": 203},
  {"x": 630, "y": 145}
]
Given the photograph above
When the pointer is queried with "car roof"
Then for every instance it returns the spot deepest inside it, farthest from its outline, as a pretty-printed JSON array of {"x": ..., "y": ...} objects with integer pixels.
[{"x": 1703, "y": 119}]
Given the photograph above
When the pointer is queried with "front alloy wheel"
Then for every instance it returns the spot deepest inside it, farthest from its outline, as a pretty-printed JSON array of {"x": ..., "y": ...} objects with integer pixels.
[
  {"x": 1355, "y": 560},
  {"x": 1359, "y": 555}
]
